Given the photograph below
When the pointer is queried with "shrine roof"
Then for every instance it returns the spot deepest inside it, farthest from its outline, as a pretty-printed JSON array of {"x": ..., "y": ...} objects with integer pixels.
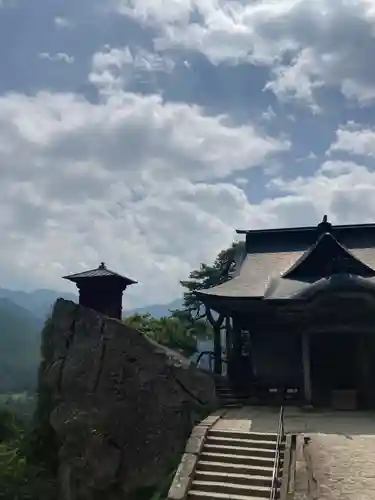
[
  {"x": 283, "y": 288},
  {"x": 281, "y": 263},
  {"x": 100, "y": 272}
]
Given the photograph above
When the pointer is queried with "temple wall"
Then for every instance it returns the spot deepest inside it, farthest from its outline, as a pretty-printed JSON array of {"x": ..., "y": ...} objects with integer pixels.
[{"x": 277, "y": 359}]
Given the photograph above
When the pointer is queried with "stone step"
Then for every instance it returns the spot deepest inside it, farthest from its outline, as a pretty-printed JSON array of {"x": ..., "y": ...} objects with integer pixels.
[
  {"x": 233, "y": 468},
  {"x": 229, "y": 403},
  {"x": 262, "y": 436},
  {"x": 231, "y": 488},
  {"x": 230, "y": 395},
  {"x": 225, "y": 393},
  {"x": 244, "y": 442},
  {"x": 237, "y": 459},
  {"x": 234, "y": 478},
  {"x": 239, "y": 450},
  {"x": 206, "y": 495},
  {"x": 223, "y": 390}
]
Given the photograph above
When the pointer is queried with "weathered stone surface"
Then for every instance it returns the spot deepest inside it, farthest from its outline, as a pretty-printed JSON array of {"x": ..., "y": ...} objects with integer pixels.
[
  {"x": 183, "y": 477},
  {"x": 123, "y": 406},
  {"x": 196, "y": 440}
]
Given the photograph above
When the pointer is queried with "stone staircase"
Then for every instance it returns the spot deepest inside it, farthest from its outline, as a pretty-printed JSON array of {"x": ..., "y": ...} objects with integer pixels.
[
  {"x": 229, "y": 398},
  {"x": 236, "y": 465},
  {"x": 232, "y": 398}
]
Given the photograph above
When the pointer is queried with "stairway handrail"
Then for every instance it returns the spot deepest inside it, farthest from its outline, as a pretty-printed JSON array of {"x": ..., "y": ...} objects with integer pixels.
[
  {"x": 212, "y": 356},
  {"x": 276, "y": 466}
]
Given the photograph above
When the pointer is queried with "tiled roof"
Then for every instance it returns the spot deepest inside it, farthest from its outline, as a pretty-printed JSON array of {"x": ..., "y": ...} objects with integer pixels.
[
  {"x": 365, "y": 255},
  {"x": 267, "y": 260},
  {"x": 255, "y": 273},
  {"x": 101, "y": 271}
]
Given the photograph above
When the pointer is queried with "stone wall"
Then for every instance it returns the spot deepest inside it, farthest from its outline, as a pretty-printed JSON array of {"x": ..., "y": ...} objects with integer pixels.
[{"x": 121, "y": 406}]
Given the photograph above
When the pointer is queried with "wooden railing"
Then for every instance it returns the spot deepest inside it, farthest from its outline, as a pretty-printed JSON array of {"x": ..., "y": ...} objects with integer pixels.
[
  {"x": 211, "y": 355},
  {"x": 279, "y": 444}
]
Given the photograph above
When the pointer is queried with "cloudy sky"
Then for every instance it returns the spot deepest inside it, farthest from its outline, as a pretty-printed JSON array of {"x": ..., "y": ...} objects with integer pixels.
[{"x": 143, "y": 132}]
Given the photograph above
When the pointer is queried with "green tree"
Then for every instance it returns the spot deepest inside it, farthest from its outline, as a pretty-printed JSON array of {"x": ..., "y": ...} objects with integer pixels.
[
  {"x": 208, "y": 276},
  {"x": 168, "y": 331},
  {"x": 183, "y": 327},
  {"x": 10, "y": 425},
  {"x": 205, "y": 277},
  {"x": 21, "y": 477}
]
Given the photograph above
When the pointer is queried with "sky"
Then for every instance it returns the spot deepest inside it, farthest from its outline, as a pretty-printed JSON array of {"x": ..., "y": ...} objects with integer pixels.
[{"x": 142, "y": 133}]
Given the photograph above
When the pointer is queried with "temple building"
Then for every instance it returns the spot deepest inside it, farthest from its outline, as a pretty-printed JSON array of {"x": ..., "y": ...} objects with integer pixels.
[
  {"x": 301, "y": 309},
  {"x": 101, "y": 289}
]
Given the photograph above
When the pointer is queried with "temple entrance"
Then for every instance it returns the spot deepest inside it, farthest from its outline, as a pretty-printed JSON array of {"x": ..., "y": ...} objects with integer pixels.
[{"x": 335, "y": 365}]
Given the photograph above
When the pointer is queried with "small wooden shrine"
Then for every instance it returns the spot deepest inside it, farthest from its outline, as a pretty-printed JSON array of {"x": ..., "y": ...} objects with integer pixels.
[
  {"x": 101, "y": 289},
  {"x": 301, "y": 311}
]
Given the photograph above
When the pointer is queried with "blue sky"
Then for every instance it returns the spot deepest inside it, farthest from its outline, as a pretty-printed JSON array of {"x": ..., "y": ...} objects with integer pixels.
[{"x": 144, "y": 132}]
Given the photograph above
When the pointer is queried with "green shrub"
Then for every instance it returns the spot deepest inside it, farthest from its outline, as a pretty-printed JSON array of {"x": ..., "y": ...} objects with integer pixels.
[{"x": 21, "y": 477}]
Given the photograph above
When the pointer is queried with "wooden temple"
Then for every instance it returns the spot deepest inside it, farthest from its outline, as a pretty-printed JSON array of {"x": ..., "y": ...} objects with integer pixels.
[{"x": 301, "y": 313}]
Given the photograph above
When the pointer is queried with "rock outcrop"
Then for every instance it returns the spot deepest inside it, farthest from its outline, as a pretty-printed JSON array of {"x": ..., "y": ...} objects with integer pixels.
[{"x": 121, "y": 405}]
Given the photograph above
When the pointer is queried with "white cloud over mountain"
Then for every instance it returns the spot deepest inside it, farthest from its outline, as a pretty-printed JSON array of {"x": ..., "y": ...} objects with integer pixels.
[{"x": 196, "y": 119}]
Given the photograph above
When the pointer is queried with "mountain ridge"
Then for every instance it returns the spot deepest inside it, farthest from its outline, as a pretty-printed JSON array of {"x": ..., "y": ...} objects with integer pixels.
[
  {"x": 39, "y": 302},
  {"x": 22, "y": 316},
  {"x": 20, "y": 347}
]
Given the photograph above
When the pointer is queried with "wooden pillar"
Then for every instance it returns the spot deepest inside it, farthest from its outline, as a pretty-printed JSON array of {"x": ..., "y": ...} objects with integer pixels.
[
  {"x": 237, "y": 340},
  {"x": 306, "y": 367},
  {"x": 364, "y": 364},
  {"x": 236, "y": 357},
  {"x": 228, "y": 344},
  {"x": 217, "y": 349},
  {"x": 216, "y": 325}
]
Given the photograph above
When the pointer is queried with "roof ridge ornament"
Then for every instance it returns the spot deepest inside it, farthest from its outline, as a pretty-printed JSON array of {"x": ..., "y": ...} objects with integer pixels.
[
  {"x": 324, "y": 226},
  {"x": 102, "y": 266}
]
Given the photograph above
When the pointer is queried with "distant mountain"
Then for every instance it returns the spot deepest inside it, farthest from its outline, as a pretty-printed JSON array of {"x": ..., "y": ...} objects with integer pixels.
[
  {"x": 22, "y": 316},
  {"x": 19, "y": 347},
  {"x": 38, "y": 302},
  {"x": 157, "y": 310}
]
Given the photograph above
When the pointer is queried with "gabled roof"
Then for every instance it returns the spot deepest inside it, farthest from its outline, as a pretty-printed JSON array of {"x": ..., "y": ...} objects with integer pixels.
[
  {"x": 327, "y": 256},
  {"x": 280, "y": 263},
  {"x": 100, "y": 272}
]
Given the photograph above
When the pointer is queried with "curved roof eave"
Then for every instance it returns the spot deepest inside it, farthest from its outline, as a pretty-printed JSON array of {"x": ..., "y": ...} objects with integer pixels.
[{"x": 335, "y": 283}]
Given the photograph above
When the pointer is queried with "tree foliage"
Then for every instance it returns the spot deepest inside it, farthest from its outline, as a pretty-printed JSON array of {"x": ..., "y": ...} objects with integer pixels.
[
  {"x": 21, "y": 477},
  {"x": 183, "y": 327},
  {"x": 168, "y": 331},
  {"x": 205, "y": 277}
]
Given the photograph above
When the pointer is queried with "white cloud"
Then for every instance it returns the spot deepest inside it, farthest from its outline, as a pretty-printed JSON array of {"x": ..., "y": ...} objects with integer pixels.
[
  {"x": 142, "y": 183},
  {"x": 269, "y": 114},
  {"x": 298, "y": 80},
  {"x": 241, "y": 181},
  {"x": 135, "y": 181},
  {"x": 59, "y": 57},
  {"x": 63, "y": 22},
  {"x": 363, "y": 94},
  {"x": 344, "y": 190},
  {"x": 131, "y": 180},
  {"x": 354, "y": 139},
  {"x": 306, "y": 43},
  {"x": 115, "y": 68}
]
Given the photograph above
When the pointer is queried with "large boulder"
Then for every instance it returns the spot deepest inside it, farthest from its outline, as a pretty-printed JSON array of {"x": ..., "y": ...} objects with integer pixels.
[{"x": 121, "y": 405}]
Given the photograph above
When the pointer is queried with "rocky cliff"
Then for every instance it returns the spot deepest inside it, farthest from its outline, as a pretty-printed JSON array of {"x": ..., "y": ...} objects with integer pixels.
[{"x": 120, "y": 406}]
